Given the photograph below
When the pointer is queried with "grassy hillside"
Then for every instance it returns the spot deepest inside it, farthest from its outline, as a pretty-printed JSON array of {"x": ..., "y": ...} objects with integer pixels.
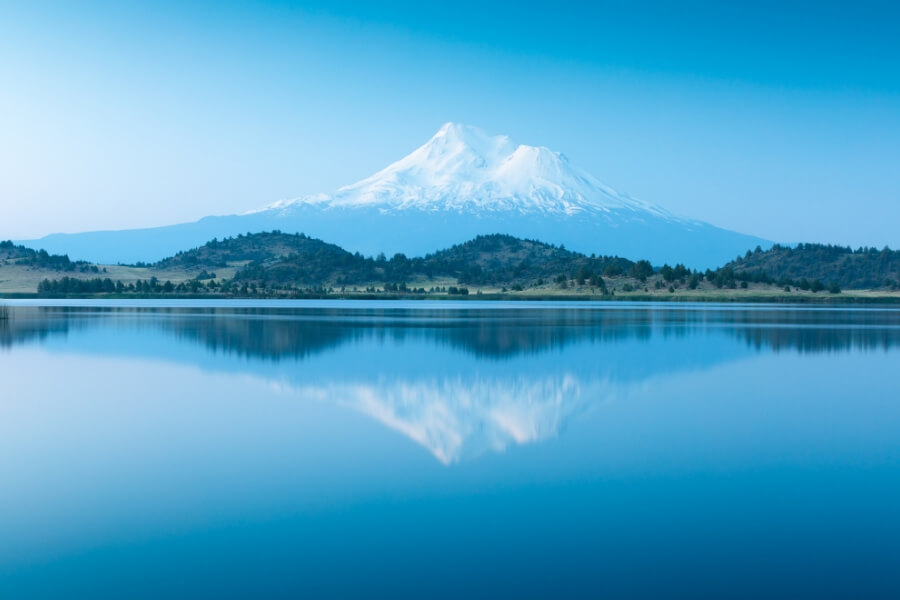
[
  {"x": 22, "y": 270},
  {"x": 864, "y": 268}
]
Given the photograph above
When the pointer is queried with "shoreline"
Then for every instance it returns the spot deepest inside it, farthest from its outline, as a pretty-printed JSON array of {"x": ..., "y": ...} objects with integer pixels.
[{"x": 825, "y": 299}]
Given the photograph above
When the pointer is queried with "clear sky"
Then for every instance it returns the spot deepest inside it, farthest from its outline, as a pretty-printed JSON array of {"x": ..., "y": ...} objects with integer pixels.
[{"x": 777, "y": 119}]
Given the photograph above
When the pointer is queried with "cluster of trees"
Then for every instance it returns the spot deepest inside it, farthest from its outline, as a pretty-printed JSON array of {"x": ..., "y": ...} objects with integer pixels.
[
  {"x": 41, "y": 259},
  {"x": 586, "y": 276},
  {"x": 641, "y": 270},
  {"x": 402, "y": 288},
  {"x": 670, "y": 276},
  {"x": 75, "y": 286},
  {"x": 828, "y": 264}
]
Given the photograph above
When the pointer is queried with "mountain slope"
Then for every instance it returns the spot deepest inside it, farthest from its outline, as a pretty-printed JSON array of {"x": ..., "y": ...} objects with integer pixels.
[{"x": 461, "y": 184}]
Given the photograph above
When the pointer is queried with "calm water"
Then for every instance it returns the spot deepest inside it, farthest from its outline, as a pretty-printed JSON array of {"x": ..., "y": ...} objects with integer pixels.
[{"x": 448, "y": 450}]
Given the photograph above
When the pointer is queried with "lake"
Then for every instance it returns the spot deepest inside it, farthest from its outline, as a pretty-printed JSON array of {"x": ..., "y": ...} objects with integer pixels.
[{"x": 440, "y": 449}]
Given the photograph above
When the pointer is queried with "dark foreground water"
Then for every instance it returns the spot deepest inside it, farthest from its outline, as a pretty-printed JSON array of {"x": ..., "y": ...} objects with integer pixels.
[{"x": 465, "y": 450}]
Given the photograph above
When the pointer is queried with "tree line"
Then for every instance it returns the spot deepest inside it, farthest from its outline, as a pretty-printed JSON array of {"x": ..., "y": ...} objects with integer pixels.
[{"x": 75, "y": 286}]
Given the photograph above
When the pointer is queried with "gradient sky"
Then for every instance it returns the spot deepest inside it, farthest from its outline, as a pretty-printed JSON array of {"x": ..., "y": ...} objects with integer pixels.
[{"x": 771, "y": 118}]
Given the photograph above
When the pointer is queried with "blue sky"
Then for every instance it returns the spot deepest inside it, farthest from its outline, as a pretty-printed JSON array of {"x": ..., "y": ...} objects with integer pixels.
[{"x": 771, "y": 118}]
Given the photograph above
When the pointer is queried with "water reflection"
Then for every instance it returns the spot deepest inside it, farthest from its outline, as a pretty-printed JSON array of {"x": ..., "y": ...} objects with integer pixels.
[
  {"x": 457, "y": 381},
  {"x": 455, "y": 418},
  {"x": 294, "y": 333}
]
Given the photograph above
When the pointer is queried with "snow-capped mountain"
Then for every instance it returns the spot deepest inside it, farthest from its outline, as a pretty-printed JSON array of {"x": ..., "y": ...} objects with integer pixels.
[
  {"x": 459, "y": 184},
  {"x": 461, "y": 169}
]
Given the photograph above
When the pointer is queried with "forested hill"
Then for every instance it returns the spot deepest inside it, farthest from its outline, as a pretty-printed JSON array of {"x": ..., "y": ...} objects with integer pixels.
[
  {"x": 506, "y": 259},
  {"x": 11, "y": 253},
  {"x": 491, "y": 259},
  {"x": 252, "y": 248},
  {"x": 863, "y": 268}
]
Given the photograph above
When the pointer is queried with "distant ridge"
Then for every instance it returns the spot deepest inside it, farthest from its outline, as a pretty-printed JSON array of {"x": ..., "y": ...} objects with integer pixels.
[{"x": 460, "y": 184}]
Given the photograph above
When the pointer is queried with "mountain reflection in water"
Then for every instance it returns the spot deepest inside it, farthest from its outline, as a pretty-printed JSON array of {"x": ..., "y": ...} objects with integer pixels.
[{"x": 423, "y": 371}]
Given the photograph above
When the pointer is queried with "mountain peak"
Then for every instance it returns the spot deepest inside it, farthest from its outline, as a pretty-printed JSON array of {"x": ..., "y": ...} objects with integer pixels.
[
  {"x": 452, "y": 128},
  {"x": 469, "y": 135},
  {"x": 462, "y": 169},
  {"x": 471, "y": 145}
]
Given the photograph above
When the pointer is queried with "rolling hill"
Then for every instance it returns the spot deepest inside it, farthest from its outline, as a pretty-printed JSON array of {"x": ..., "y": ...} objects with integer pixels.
[{"x": 850, "y": 269}]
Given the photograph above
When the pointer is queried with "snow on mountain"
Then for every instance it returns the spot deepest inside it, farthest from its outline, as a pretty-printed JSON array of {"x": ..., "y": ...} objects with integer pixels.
[{"x": 462, "y": 169}]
